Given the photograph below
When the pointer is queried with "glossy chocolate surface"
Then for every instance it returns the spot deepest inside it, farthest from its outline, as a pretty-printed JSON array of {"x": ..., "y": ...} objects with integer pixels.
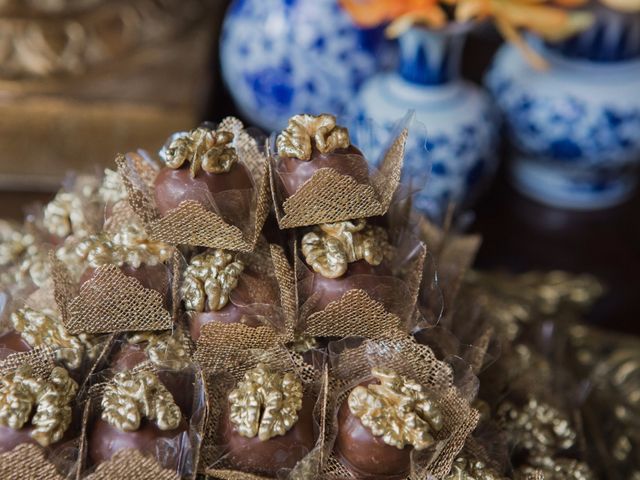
[
  {"x": 10, "y": 438},
  {"x": 267, "y": 458},
  {"x": 105, "y": 441},
  {"x": 12, "y": 342},
  {"x": 173, "y": 186},
  {"x": 294, "y": 172},
  {"x": 332, "y": 289},
  {"x": 364, "y": 454}
]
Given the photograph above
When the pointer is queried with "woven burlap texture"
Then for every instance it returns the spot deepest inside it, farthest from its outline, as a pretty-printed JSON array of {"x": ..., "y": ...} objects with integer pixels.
[
  {"x": 108, "y": 302},
  {"x": 40, "y": 359},
  {"x": 227, "y": 352},
  {"x": 357, "y": 314},
  {"x": 27, "y": 462},
  {"x": 131, "y": 465},
  {"x": 353, "y": 365},
  {"x": 191, "y": 223},
  {"x": 329, "y": 196}
]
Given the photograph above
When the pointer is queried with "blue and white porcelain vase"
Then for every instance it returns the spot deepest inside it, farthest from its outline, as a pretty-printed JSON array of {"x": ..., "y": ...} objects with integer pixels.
[
  {"x": 284, "y": 57},
  {"x": 456, "y": 149},
  {"x": 574, "y": 130}
]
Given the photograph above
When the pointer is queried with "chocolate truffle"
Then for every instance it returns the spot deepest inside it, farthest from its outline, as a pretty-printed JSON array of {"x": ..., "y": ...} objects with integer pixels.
[
  {"x": 310, "y": 143},
  {"x": 198, "y": 165},
  {"x": 375, "y": 436},
  {"x": 279, "y": 436},
  {"x": 12, "y": 342},
  {"x": 344, "y": 256},
  {"x": 166, "y": 350},
  {"x": 210, "y": 281},
  {"x": 133, "y": 252},
  {"x": 138, "y": 411}
]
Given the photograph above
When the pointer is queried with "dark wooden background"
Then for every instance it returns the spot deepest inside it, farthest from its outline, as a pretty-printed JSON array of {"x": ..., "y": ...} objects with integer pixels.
[{"x": 518, "y": 234}]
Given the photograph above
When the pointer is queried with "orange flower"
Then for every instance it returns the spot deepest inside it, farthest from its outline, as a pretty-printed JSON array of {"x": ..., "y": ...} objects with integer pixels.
[
  {"x": 401, "y": 14},
  {"x": 550, "y": 21}
]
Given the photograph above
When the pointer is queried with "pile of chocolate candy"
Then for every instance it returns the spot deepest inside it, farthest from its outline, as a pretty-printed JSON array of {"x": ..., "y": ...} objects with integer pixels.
[{"x": 235, "y": 309}]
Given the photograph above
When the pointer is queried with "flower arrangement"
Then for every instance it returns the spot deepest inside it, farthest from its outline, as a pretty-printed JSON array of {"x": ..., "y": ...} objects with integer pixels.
[{"x": 551, "y": 19}]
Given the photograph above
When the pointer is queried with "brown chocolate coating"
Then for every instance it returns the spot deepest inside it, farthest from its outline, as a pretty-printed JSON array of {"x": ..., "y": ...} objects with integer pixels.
[
  {"x": 174, "y": 186},
  {"x": 12, "y": 342},
  {"x": 10, "y": 438},
  {"x": 366, "y": 455},
  {"x": 230, "y": 313},
  {"x": 267, "y": 458},
  {"x": 332, "y": 289},
  {"x": 294, "y": 172},
  {"x": 241, "y": 308},
  {"x": 105, "y": 440}
]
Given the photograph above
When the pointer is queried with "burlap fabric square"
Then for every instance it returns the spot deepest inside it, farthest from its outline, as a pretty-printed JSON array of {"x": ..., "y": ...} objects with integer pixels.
[{"x": 111, "y": 301}]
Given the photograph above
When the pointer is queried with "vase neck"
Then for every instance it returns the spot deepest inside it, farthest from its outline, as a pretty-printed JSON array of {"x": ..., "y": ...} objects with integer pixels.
[
  {"x": 429, "y": 57},
  {"x": 614, "y": 37}
]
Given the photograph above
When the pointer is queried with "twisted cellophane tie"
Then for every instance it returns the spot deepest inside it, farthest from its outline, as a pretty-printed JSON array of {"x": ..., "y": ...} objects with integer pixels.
[
  {"x": 209, "y": 280},
  {"x": 45, "y": 327},
  {"x": 204, "y": 148},
  {"x": 329, "y": 248},
  {"x": 265, "y": 403},
  {"x": 397, "y": 409},
  {"x": 132, "y": 395},
  {"x": 304, "y": 131},
  {"x": 21, "y": 391}
]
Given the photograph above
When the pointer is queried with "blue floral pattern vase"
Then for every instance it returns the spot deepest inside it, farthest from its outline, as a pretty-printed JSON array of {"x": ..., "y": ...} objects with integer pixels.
[
  {"x": 284, "y": 57},
  {"x": 574, "y": 130},
  {"x": 454, "y": 142}
]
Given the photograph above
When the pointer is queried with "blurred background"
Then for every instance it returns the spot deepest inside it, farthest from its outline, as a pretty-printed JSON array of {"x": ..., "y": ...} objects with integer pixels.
[{"x": 535, "y": 143}]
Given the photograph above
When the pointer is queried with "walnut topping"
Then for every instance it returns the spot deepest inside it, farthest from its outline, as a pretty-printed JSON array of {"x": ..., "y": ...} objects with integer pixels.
[
  {"x": 76, "y": 212},
  {"x": 295, "y": 140},
  {"x": 265, "y": 403},
  {"x": 112, "y": 189},
  {"x": 330, "y": 247},
  {"x": 211, "y": 150},
  {"x": 209, "y": 280},
  {"x": 398, "y": 409},
  {"x": 21, "y": 391},
  {"x": 467, "y": 469},
  {"x": 164, "y": 349},
  {"x": 131, "y": 245},
  {"x": 537, "y": 426},
  {"x": 130, "y": 395},
  {"x": 44, "y": 327}
]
